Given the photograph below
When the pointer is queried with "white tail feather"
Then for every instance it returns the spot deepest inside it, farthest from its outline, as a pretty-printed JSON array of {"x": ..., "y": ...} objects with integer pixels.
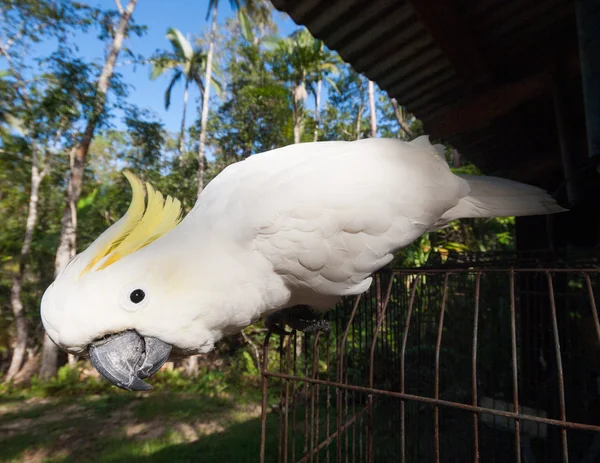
[{"x": 499, "y": 197}]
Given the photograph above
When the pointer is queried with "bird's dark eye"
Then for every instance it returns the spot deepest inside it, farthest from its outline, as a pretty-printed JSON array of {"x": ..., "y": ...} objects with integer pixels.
[{"x": 137, "y": 296}]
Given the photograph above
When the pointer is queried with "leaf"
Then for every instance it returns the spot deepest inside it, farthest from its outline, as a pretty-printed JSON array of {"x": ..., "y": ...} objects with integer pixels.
[
  {"x": 87, "y": 201},
  {"x": 453, "y": 246},
  {"x": 245, "y": 26},
  {"x": 271, "y": 42},
  {"x": 174, "y": 80},
  {"x": 217, "y": 86},
  {"x": 161, "y": 64},
  {"x": 180, "y": 44},
  {"x": 332, "y": 84}
]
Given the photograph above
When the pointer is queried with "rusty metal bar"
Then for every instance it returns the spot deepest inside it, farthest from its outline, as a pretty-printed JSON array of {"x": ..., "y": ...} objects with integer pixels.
[
  {"x": 474, "y": 367},
  {"x": 381, "y": 309},
  {"x": 345, "y": 435},
  {"x": 380, "y": 318},
  {"x": 287, "y": 397},
  {"x": 438, "y": 346},
  {"x": 475, "y": 269},
  {"x": 513, "y": 339},
  {"x": 305, "y": 448},
  {"x": 361, "y": 423},
  {"x": 446, "y": 403},
  {"x": 265, "y": 385},
  {"x": 371, "y": 424},
  {"x": 281, "y": 415},
  {"x": 354, "y": 329},
  {"x": 341, "y": 376},
  {"x": 294, "y": 400},
  {"x": 402, "y": 369},
  {"x": 561, "y": 379},
  {"x": 330, "y": 439},
  {"x": 314, "y": 428},
  {"x": 590, "y": 289},
  {"x": 354, "y": 427},
  {"x": 328, "y": 400}
]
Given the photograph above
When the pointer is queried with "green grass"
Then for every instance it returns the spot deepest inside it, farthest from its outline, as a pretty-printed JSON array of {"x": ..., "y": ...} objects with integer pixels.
[{"x": 153, "y": 427}]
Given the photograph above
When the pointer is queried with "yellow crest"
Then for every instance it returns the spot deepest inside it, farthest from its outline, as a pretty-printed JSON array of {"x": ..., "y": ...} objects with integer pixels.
[{"x": 141, "y": 225}]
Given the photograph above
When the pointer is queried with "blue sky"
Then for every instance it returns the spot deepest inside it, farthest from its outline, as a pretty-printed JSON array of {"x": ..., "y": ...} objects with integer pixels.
[{"x": 189, "y": 16}]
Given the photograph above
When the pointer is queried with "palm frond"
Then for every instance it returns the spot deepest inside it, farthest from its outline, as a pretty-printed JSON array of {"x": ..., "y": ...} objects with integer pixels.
[
  {"x": 161, "y": 64},
  {"x": 181, "y": 45},
  {"x": 176, "y": 77}
]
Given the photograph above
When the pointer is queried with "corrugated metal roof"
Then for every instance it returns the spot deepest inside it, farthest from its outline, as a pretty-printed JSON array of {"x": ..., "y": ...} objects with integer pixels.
[{"x": 392, "y": 43}]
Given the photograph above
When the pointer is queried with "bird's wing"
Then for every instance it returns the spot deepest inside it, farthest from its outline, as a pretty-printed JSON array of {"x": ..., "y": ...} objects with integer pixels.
[{"x": 327, "y": 215}]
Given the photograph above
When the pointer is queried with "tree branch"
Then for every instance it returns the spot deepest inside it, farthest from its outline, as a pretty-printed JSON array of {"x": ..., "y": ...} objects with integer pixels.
[
  {"x": 10, "y": 42},
  {"x": 21, "y": 87},
  {"x": 400, "y": 118},
  {"x": 119, "y": 6},
  {"x": 254, "y": 347}
]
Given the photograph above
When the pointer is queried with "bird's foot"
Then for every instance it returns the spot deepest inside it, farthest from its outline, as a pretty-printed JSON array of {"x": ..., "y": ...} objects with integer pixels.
[{"x": 299, "y": 318}]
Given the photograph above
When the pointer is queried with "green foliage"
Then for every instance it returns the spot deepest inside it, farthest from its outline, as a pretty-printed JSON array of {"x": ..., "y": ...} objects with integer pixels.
[
  {"x": 210, "y": 383},
  {"x": 255, "y": 119},
  {"x": 147, "y": 139},
  {"x": 344, "y": 117},
  {"x": 249, "y": 367},
  {"x": 72, "y": 381},
  {"x": 69, "y": 381},
  {"x": 185, "y": 61}
]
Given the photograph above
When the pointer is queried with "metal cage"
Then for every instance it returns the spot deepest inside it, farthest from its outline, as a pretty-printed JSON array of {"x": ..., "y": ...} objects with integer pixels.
[{"x": 444, "y": 365}]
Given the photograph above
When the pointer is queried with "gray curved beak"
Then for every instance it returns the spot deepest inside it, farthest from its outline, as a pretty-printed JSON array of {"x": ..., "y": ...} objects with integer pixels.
[{"x": 126, "y": 358}]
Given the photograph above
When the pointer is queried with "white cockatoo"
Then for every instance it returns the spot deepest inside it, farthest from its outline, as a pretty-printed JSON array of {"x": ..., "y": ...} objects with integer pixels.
[{"x": 301, "y": 225}]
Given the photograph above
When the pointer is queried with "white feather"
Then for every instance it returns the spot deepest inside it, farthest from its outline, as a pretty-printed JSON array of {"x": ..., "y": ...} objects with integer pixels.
[{"x": 325, "y": 216}]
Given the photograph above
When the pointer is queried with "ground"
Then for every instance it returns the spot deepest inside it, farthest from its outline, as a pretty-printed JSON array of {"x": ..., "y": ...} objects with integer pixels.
[{"x": 144, "y": 427}]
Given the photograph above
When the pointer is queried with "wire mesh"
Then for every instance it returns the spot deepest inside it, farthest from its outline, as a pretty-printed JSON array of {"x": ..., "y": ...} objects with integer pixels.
[{"x": 445, "y": 365}]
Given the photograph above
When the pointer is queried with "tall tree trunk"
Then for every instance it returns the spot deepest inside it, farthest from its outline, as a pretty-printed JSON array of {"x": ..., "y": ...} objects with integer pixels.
[
  {"x": 456, "y": 159},
  {"x": 16, "y": 303},
  {"x": 182, "y": 133},
  {"x": 206, "y": 98},
  {"x": 400, "y": 118},
  {"x": 299, "y": 99},
  {"x": 29, "y": 369},
  {"x": 297, "y": 128},
  {"x": 192, "y": 366},
  {"x": 67, "y": 240},
  {"x": 359, "y": 119},
  {"x": 201, "y": 172},
  {"x": 318, "y": 109},
  {"x": 372, "y": 109}
]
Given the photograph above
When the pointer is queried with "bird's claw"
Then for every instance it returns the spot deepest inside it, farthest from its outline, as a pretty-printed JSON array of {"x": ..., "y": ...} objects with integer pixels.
[
  {"x": 299, "y": 318},
  {"x": 276, "y": 328},
  {"x": 316, "y": 326}
]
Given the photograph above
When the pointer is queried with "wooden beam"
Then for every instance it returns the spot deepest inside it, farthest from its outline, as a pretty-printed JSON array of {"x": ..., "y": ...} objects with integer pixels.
[
  {"x": 453, "y": 36},
  {"x": 588, "y": 15},
  {"x": 479, "y": 111}
]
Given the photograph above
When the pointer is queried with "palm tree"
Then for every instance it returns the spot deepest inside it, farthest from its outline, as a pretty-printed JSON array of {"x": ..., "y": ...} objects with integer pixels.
[
  {"x": 184, "y": 62},
  {"x": 325, "y": 64},
  {"x": 400, "y": 114},
  {"x": 372, "y": 109},
  {"x": 303, "y": 62},
  {"x": 255, "y": 9}
]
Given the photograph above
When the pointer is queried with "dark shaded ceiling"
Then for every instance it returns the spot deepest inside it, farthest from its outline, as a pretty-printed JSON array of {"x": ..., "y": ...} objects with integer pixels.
[{"x": 480, "y": 74}]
